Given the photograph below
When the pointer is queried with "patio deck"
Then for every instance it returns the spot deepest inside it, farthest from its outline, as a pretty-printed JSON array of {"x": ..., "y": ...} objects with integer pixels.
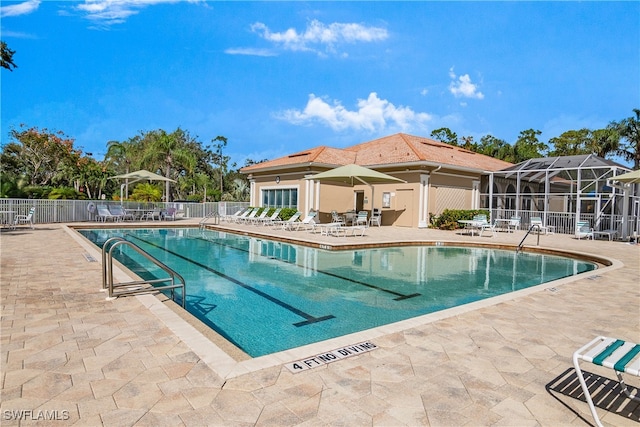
[{"x": 69, "y": 355}]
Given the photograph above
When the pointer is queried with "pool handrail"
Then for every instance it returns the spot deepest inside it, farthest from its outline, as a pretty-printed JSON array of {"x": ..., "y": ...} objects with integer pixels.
[{"x": 110, "y": 286}]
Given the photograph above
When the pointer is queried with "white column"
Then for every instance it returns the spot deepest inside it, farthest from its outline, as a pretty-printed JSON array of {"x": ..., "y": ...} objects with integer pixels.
[
  {"x": 423, "y": 202},
  {"x": 252, "y": 193},
  {"x": 475, "y": 195}
]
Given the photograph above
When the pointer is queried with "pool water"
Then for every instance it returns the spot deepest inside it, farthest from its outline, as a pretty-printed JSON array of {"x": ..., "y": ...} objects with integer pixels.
[{"x": 266, "y": 296}]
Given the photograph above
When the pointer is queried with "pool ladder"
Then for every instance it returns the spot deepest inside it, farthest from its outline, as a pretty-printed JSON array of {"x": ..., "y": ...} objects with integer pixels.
[
  {"x": 215, "y": 215},
  {"x": 174, "y": 281},
  {"x": 525, "y": 236}
]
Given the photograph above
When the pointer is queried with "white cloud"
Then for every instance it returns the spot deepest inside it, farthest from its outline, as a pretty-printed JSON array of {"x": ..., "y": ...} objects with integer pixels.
[
  {"x": 249, "y": 51},
  {"x": 462, "y": 87},
  {"x": 318, "y": 37},
  {"x": 109, "y": 12},
  {"x": 23, "y": 8},
  {"x": 373, "y": 114}
]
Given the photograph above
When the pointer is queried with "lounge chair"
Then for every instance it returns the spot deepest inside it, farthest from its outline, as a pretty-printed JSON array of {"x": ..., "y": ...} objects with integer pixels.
[
  {"x": 583, "y": 230},
  {"x": 271, "y": 219},
  {"x": 233, "y": 216},
  {"x": 376, "y": 217},
  {"x": 284, "y": 224},
  {"x": 257, "y": 219},
  {"x": 482, "y": 224},
  {"x": 24, "y": 219},
  {"x": 610, "y": 353},
  {"x": 246, "y": 218},
  {"x": 117, "y": 210},
  {"x": 307, "y": 221},
  {"x": 104, "y": 214}
]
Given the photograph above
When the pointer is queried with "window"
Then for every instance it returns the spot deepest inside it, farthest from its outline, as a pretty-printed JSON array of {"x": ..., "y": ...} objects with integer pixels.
[{"x": 280, "y": 198}]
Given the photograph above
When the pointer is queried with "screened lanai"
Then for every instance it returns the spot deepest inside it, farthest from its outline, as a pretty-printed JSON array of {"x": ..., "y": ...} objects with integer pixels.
[{"x": 563, "y": 190}]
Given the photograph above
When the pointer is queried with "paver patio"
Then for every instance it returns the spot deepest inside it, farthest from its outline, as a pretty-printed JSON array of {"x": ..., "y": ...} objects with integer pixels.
[{"x": 70, "y": 355}]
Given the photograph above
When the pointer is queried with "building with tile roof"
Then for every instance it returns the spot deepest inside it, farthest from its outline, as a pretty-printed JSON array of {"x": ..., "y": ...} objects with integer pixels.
[{"x": 437, "y": 176}]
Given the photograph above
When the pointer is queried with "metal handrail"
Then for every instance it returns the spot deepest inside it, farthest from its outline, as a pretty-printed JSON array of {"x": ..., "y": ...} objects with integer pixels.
[
  {"x": 107, "y": 274},
  {"x": 525, "y": 236},
  {"x": 210, "y": 215}
]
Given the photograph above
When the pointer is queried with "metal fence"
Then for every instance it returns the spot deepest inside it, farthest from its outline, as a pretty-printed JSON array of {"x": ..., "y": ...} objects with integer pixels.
[{"x": 67, "y": 211}]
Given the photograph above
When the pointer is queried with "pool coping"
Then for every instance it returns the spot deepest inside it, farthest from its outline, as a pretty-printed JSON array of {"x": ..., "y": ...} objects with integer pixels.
[{"x": 228, "y": 367}]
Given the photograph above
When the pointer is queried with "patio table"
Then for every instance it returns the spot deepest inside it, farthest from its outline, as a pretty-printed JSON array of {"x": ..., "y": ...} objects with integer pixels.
[{"x": 471, "y": 226}]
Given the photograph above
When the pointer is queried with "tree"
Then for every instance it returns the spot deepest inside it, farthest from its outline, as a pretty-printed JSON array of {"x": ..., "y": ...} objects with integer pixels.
[
  {"x": 146, "y": 192},
  {"x": 629, "y": 130},
  {"x": 603, "y": 142},
  {"x": 445, "y": 135},
  {"x": 120, "y": 155},
  {"x": 528, "y": 146},
  {"x": 42, "y": 155},
  {"x": 219, "y": 159},
  {"x": 571, "y": 143},
  {"x": 495, "y": 147},
  {"x": 169, "y": 152},
  {"x": 6, "y": 56}
]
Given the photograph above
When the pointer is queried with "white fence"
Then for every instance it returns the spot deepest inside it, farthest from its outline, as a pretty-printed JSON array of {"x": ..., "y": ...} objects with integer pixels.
[{"x": 52, "y": 211}]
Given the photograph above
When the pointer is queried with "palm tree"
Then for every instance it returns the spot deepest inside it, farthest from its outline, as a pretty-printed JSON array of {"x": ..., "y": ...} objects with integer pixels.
[
  {"x": 168, "y": 151},
  {"x": 629, "y": 129},
  {"x": 120, "y": 154}
]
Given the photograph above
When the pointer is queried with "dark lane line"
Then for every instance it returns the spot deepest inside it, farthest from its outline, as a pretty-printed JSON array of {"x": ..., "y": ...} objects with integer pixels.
[{"x": 309, "y": 319}]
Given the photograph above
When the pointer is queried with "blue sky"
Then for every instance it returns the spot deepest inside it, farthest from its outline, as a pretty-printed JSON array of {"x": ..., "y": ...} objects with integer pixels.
[{"x": 279, "y": 77}]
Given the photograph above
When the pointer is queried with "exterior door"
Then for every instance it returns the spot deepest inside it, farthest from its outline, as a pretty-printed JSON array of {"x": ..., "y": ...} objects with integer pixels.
[{"x": 404, "y": 208}]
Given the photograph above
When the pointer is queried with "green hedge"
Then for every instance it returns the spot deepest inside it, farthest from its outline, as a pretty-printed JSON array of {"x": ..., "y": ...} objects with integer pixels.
[{"x": 448, "y": 220}]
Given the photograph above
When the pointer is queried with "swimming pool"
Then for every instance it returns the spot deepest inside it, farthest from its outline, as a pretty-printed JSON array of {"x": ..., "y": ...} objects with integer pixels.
[{"x": 266, "y": 296}]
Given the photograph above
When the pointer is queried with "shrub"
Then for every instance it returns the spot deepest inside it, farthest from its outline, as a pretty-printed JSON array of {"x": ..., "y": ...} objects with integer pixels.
[{"x": 448, "y": 220}]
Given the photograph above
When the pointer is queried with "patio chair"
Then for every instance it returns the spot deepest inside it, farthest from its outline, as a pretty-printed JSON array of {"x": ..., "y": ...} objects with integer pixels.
[
  {"x": 233, "y": 216},
  {"x": 480, "y": 222},
  {"x": 104, "y": 214},
  {"x": 24, "y": 219},
  {"x": 540, "y": 228},
  {"x": 152, "y": 215},
  {"x": 170, "y": 214},
  {"x": 514, "y": 224},
  {"x": 621, "y": 356},
  {"x": 337, "y": 218},
  {"x": 583, "y": 230},
  {"x": 362, "y": 218},
  {"x": 376, "y": 217}
]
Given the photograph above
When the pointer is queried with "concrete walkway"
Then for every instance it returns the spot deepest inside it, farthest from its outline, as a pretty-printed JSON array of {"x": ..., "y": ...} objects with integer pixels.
[{"x": 71, "y": 358}]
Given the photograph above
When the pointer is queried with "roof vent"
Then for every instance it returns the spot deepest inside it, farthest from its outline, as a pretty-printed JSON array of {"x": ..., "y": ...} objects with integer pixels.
[{"x": 299, "y": 154}]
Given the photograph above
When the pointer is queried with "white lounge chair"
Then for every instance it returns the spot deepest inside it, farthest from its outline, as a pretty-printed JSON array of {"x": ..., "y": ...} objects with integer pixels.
[
  {"x": 285, "y": 223},
  {"x": 246, "y": 218},
  {"x": 232, "y": 217},
  {"x": 610, "y": 353},
  {"x": 307, "y": 221},
  {"x": 583, "y": 230},
  {"x": 257, "y": 219},
  {"x": 24, "y": 219},
  {"x": 271, "y": 219},
  {"x": 104, "y": 214},
  {"x": 117, "y": 210}
]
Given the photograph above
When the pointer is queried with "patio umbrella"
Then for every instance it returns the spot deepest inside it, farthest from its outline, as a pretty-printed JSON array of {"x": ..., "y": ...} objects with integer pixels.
[
  {"x": 354, "y": 174},
  {"x": 629, "y": 178},
  {"x": 140, "y": 175}
]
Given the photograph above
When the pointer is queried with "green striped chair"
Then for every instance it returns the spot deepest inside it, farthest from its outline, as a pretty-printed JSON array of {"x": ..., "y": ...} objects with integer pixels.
[{"x": 611, "y": 353}]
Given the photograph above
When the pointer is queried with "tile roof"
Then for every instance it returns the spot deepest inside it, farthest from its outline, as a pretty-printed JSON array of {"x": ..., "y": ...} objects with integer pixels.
[{"x": 389, "y": 150}]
